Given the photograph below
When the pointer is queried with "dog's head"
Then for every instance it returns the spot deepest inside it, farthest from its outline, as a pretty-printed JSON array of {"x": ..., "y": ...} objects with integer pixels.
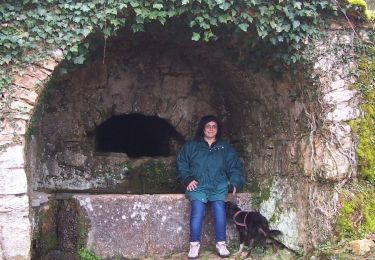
[{"x": 231, "y": 208}]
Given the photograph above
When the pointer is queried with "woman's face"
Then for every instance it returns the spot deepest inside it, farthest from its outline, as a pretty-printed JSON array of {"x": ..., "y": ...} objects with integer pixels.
[{"x": 210, "y": 130}]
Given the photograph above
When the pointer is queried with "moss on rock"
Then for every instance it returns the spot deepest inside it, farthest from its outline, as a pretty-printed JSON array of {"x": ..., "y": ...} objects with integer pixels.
[
  {"x": 45, "y": 236},
  {"x": 261, "y": 191},
  {"x": 360, "y": 6},
  {"x": 356, "y": 218},
  {"x": 357, "y": 215},
  {"x": 365, "y": 126}
]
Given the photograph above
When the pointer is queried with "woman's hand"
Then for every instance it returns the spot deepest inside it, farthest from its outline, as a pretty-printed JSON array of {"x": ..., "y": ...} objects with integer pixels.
[
  {"x": 232, "y": 189},
  {"x": 192, "y": 185}
]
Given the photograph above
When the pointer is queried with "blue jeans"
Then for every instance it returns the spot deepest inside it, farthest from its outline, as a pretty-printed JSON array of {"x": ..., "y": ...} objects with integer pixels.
[{"x": 198, "y": 209}]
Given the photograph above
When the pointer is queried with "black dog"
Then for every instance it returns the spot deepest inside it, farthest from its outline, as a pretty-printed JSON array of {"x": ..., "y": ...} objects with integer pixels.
[{"x": 252, "y": 226}]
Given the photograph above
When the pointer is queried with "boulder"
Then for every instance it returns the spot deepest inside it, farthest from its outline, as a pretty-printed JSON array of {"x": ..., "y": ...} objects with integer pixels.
[{"x": 361, "y": 247}]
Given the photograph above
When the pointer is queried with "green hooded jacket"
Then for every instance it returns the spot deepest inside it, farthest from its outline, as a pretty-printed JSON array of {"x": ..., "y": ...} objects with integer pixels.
[{"x": 214, "y": 168}]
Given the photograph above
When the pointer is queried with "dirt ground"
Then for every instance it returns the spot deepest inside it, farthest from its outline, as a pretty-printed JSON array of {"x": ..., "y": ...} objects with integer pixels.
[{"x": 260, "y": 254}]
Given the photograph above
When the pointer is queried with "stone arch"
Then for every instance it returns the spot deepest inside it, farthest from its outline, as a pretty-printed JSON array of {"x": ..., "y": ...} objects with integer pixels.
[
  {"x": 261, "y": 152},
  {"x": 179, "y": 82}
]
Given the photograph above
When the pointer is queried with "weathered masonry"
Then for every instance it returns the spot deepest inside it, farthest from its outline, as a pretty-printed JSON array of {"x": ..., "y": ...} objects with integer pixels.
[{"x": 112, "y": 130}]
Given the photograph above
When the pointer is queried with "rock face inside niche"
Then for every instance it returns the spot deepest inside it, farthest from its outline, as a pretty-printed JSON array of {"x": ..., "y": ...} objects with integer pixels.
[{"x": 156, "y": 99}]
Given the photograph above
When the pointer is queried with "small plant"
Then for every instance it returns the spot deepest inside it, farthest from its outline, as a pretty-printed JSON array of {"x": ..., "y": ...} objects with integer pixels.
[
  {"x": 85, "y": 254},
  {"x": 158, "y": 173}
]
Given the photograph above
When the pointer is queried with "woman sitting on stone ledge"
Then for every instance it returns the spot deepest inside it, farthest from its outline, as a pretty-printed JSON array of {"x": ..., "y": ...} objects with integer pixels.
[{"x": 209, "y": 168}]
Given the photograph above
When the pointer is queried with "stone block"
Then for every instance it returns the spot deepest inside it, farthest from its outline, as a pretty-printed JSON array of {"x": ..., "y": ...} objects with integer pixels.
[
  {"x": 17, "y": 127},
  {"x": 5, "y": 138},
  {"x": 21, "y": 106},
  {"x": 11, "y": 206},
  {"x": 32, "y": 77},
  {"x": 26, "y": 95},
  {"x": 339, "y": 96},
  {"x": 15, "y": 233},
  {"x": 361, "y": 247},
  {"x": 51, "y": 64},
  {"x": 337, "y": 84},
  {"x": 343, "y": 112},
  {"x": 16, "y": 240},
  {"x": 17, "y": 115},
  {"x": 13, "y": 181},
  {"x": 39, "y": 198},
  {"x": 134, "y": 226},
  {"x": 26, "y": 81},
  {"x": 12, "y": 157}
]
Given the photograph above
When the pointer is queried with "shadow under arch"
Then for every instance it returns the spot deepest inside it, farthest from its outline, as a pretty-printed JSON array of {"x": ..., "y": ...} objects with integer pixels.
[{"x": 137, "y": 135}]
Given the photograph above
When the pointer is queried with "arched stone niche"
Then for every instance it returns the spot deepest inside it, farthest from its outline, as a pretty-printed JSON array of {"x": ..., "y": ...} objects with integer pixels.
[
  {"x": 288, "y": 157},
  {"x": 177, "y": 83}
]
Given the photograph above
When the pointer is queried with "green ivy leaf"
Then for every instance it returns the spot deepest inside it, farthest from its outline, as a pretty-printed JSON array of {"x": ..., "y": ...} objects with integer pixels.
[
  {"x": 137, "y": 27},
  {"x": 224, "y": 18},
  {"x": 296, "y": 23},
  {"x": 243, "y": 26},
  {"x": 208, "y": 35},
  {"x": 224, "y": 6},
  {"x": 195, "y": 36},
  {"x": 85, "y": 7},
  {"x": 6, "y": 59},
  {"x": 76, "y": 19},
  {"x": 79, "y": 60},
  {"x": 157, "y": 6},
  {"x": 85, "y": 31},
  {"x": 297, "y": 5},
  {"x": 162, "y": 20},
  {"x": 134, "y": 4},
  {"x": 74, "y": 48}
]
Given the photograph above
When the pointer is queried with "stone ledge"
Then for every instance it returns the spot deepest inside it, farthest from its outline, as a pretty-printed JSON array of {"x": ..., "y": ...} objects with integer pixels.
[{"x": 135, "y": 226}]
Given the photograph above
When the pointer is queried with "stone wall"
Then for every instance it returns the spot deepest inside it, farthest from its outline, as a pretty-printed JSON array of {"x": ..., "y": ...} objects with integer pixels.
[
  {"x": 17, "y": 105},
  {"x": 290, "y": 133},
  {"x": 302, "y": 199}
]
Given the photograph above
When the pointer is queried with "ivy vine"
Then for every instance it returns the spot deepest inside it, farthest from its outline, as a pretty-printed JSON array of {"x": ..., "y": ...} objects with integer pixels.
[{"x": 31, "y": 30}]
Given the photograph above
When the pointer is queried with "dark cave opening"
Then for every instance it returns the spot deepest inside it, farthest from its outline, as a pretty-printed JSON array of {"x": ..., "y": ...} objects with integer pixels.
[{"x": 137, "y": 135}]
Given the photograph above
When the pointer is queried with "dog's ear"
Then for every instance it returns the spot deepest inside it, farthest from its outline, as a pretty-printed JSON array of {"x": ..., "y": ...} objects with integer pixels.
[
  {"x": 234, "y": 206},
  {"x": 231, "y": 205}
]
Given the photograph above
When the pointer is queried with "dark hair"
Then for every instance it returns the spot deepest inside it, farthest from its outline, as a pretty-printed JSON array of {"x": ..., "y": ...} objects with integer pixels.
[{"x": 199, "y": 134}]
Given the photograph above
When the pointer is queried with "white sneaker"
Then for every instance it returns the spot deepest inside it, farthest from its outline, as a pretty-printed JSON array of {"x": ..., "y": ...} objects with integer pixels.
[
  {"x": 194, "y": 250},
  {"x": 222, "y": 249}
]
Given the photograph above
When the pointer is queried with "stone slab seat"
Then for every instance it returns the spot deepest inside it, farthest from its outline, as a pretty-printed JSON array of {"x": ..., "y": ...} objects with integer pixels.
[{"x": 136, "y": 226}]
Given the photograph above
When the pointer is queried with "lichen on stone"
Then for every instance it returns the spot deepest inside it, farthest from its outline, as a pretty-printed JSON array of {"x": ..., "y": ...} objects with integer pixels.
[
  {"x": 269, "y": 206},
  {"x": 281, "y": 218}
]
